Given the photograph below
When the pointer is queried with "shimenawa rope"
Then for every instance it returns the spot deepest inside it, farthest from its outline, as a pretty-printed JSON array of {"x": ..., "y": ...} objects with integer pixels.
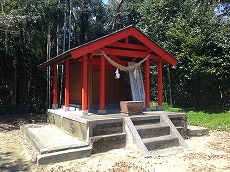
[{"x": 124, "y": 68}]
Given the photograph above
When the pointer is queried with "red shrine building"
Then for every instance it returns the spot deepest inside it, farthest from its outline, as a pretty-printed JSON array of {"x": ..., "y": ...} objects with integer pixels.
[{"x": 90, "y": 69}]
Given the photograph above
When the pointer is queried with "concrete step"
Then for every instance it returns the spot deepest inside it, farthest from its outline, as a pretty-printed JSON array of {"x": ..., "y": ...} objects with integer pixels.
[
  {"x": 66, "y": 155},
  {"x": 160, "y": 142},
  {"x": 182, "y": 131},
  {"x": 107, "y": 128},
  {"x": 53, "y": 144},
  {"x": 152, "y": 130},
  {"x": 196, "y": 131},
  {"x": 145, "y": 119},
  {"x": 105, "y": 143},
  {"x": 178, "y": 120}
]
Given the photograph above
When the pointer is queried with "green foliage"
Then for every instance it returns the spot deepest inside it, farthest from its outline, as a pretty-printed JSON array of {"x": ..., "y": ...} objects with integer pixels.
[
  {"x": 214, "y": 119},
  {"x": 197, "y": 33},
  {"x": 167, "y": 107},
  {"x": 121, "y": 14},
  {"x": 200, "y": 41},
  {"x": 23, "y": 48},
  {"x": 23, "y": 41}
]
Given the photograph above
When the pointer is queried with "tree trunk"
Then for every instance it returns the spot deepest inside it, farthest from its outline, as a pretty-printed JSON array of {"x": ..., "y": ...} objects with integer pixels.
[
  {"x": 118, "y": 13},
  {"x": 62, "y": 66},
  {"x": 70, "y": 8},
  {"x": 170, "y": 90},
  {"x": 6, "y": 41},
  {"x": 48, "y": 69}
]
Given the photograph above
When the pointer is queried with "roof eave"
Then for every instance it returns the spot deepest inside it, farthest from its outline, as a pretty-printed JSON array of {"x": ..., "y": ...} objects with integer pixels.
[
  {"x": 128, "y": 31},
  {"x": 55, "y": 60}
]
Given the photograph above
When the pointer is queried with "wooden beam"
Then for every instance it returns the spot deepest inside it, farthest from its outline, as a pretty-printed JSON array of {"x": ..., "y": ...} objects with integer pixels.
[
  {"x": 154, "y": 57},
  {"x": 90, "y": 47},
  {"x": 127, "y": 53},
  {"x": 153, "y": 46},
  {"x": 117, "y": 60},
  {"x": 129, "y": 46},
  {"x": 112, "y": 39}
]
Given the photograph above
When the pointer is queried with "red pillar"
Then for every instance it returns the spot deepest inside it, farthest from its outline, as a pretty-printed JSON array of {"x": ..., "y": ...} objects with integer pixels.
[
  {"x": 84, "y": 83},
  {"x": 102, "y": 85},
  {"x": 67, "y": 84},
  {"x": 55, "y": 102},
  {"x": 147, "y": 84},
  {"x": 159, "y": 68},
  {"x": 90, "y": 83}
]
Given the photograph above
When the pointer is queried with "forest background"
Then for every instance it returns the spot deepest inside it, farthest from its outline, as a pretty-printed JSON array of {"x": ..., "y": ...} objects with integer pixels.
[{"x": 196, "y": 32}]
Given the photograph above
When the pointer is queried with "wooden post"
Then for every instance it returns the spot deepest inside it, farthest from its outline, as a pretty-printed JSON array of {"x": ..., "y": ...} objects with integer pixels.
[
  {"x": 90, "y": 81},
  {"x": 147, "y": 85},
  {"x": 67, "y": 85},
  {"x": 55, "y": 101},
  {"x": 102, "y": 86},
  {"x": 159, "y": 68},
  {"x": 84, "y": 84}
]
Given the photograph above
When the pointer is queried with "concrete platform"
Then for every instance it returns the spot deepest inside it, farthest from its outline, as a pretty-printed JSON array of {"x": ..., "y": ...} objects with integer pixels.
[
  {"x": 73, "y": 134},
  {"x": 53, "y": 144},
  {"x": 196, "y": 131}
]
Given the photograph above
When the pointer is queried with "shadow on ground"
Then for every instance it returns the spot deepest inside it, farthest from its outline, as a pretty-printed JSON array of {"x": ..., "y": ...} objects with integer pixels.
[
  {"x": 9, "y": 164},
  {"x": 13, "y": 121}
]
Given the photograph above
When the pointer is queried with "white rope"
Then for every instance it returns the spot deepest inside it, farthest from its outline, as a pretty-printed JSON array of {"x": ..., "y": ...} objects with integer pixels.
[{"x": 123, "y": 68}]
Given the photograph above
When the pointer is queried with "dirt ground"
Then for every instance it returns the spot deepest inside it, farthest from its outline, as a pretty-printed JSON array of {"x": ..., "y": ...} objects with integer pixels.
[{"x": 208, "y": 153}]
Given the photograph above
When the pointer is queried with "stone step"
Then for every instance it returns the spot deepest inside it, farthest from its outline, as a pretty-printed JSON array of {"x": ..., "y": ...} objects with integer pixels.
[
  {"x": 65, "y": 155},
  {"x": 106, "y": 143},
  {"x": 144, "y": 119},
  {"x": 179, "y": 120},
  {"x": 53, "y": 144},
  {"x": 160, "y": 142},
  {"x": 107, "y": 128},
  {"x": 182, "y": 131},
  {"x": 152, "y": 130},
  {"x": 197, "y": 131}
]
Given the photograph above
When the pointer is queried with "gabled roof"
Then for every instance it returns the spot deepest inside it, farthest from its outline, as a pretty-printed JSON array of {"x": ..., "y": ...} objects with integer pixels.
[{"x": 128, "y": 41}]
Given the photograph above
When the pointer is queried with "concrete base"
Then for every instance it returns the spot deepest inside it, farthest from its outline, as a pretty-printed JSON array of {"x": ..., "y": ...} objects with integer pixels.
[
  {"x": 105, "y": 143},
  {"x": 66, "y": 108},
  {"x": 65, "y": 155},
  {"x": 159, "y": 108},
  {"x": 54, "y": 106},
  {"x": 196, "y": 131},
  {"x": 54, "y": 145},
  {"x": 147, "y": 109},
  {"x": 85, "y": 112},
  {"x": 106, "y": 132},
  {"x": 90, "y": 110},
  {"x": 101, "y": 112}
]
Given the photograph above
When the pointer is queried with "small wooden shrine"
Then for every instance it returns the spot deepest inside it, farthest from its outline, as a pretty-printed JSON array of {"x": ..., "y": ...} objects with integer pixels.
[{"x": 90, "y": 69}]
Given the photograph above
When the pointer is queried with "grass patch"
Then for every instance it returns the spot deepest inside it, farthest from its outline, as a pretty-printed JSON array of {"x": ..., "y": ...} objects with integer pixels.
[{"x": 213, "y": 119}]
